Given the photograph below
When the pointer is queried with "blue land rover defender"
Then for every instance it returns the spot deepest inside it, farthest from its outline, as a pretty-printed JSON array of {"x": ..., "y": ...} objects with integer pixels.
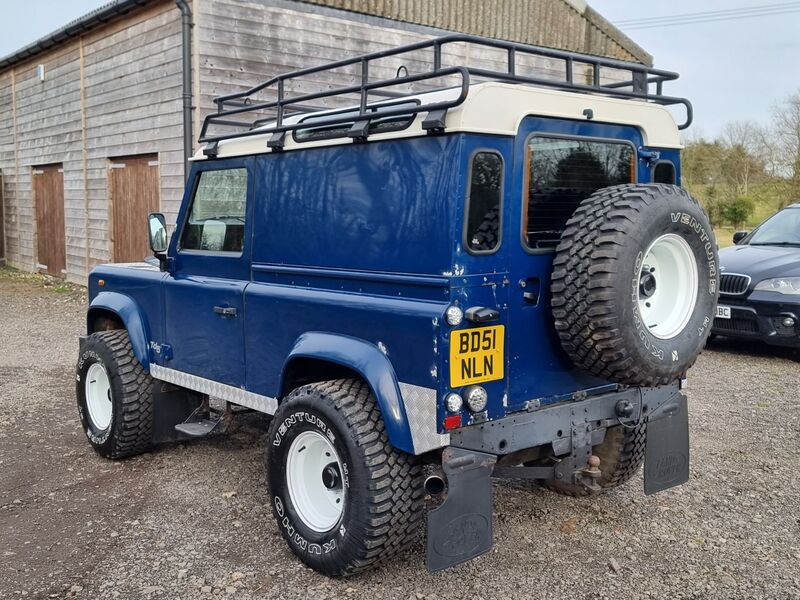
[{"x": 439, "y": 272}]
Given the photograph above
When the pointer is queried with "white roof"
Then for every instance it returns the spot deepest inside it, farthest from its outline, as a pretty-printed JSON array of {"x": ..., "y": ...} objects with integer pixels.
[{"x": 498, "y": 108}]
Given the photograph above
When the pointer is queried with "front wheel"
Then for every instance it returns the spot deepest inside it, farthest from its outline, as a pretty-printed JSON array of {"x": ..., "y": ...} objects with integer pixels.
[
  {"x": 345, "y": 500},
  {"x": 115, "y": 395}
]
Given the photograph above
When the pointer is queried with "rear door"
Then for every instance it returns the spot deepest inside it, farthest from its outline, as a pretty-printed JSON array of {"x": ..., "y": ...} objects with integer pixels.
[
  {"x": 476, "y": 351},
  {"x": 559, "y": 163},
  {"x": 204, "y": 294}
]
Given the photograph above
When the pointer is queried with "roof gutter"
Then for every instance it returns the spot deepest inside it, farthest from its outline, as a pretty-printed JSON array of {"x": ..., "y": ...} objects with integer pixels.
[
  {"x": 75, "y": 28},
  {"x": 186, "y": 41}
]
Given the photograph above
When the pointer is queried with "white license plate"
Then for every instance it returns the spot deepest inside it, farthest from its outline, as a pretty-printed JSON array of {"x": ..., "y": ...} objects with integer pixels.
[{"x": 723, "y": 312}]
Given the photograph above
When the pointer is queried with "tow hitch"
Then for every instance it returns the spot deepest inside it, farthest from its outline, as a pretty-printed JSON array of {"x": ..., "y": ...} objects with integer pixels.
[{"x": 461, "y": 527}]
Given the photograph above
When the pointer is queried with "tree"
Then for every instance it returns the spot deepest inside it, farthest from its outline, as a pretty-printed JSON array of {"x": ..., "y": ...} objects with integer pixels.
[
  {"x": 738, "y": 211},
  {"x": 786, "y": 119}
]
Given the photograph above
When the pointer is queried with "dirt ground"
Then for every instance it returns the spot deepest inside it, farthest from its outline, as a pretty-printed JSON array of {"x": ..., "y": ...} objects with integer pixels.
[{"x": 192, "y": 520}]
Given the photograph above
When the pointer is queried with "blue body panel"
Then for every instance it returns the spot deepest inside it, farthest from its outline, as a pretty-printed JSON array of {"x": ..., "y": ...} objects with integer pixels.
[
  {"x": 352, "y": 254},
  {"x": 369, "y": 362},
  {"x": 135, "y": 296}
]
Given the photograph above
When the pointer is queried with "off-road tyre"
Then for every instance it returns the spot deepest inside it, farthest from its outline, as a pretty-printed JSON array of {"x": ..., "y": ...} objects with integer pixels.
[
  {"x": 383, "y": 505},
  {"x": 596, "y": 278},
  {"x": 130, "y": 431},
  {"x": 621, "y": 454}
]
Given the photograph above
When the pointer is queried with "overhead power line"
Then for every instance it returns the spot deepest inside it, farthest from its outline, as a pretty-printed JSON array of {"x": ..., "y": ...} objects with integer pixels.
[
  {"x": 709, "y": 13},
  {"x": 710, "y": 16}
]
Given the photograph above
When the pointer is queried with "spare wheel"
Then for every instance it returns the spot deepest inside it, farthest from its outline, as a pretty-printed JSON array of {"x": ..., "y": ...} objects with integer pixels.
[{"x": 634, "y": 283}]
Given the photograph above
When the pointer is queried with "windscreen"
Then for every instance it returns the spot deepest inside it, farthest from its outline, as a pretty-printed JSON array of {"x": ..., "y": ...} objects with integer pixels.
[{"x": 782, "y": 229}]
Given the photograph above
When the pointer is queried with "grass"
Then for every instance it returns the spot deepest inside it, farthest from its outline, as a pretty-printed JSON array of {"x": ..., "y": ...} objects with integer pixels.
[
  {"x": 724, "y": 236},
  {"x": 54, "y": 284}
]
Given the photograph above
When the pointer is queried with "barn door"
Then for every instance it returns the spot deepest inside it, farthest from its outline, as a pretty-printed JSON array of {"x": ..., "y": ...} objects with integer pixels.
[
  {"x": 48, "y": 197},
  {"x": 134, "y": 191}
]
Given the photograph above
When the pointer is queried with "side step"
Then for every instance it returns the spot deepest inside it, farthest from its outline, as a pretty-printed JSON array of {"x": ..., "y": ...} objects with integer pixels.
[
  {"x": 197, "y": 428},
  {"x": 204, "y": 420}
]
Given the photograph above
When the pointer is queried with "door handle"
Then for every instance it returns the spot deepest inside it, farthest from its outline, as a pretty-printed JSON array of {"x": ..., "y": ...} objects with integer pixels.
[{"x": 225, "y": 311}]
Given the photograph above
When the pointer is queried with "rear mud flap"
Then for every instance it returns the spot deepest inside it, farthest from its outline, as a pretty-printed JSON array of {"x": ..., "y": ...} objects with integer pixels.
[
  {"x": 461, "y": 528},
  {"x": 666, "y": 459}
]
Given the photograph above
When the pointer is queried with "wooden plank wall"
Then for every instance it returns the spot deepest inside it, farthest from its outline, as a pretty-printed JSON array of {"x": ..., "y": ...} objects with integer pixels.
[
  {"x": 234, "y": 37},
  {"x": 7, "y": 166},
  {"x": 2, "y": 224},
  {"x": 115, "y": 92},
  {"x": 48, "y": 132}
]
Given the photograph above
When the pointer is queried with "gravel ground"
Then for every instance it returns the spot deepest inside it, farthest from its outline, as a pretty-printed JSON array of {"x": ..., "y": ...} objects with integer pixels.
[{"x": 192, "y": 520}]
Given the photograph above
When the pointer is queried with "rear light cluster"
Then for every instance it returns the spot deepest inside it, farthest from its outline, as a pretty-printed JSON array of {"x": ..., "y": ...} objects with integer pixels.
[{"x": 474, "y": 396}]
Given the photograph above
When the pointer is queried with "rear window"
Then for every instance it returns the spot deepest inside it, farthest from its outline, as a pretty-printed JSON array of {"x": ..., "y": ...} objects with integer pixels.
[
  {"x": 562, "y": 173},
  {"x": 482, "y": 234}
]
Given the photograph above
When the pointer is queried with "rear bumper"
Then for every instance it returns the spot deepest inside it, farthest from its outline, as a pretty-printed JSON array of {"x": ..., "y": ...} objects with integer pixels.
[
  {"x": 461, "y": 528},
  {"x": 759, "y": 320}
]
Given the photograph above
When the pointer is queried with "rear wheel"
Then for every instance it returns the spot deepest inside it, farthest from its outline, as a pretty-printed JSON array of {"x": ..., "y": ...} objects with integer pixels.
[
  {"x": 115, "y": 396},
  {"x": 345, "y": 500}
]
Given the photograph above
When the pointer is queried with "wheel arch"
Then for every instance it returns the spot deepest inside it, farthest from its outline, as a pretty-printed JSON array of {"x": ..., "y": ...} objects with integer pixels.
[
  {"x": 118, "y": 311},
  {"x": 320, "y": 356}
]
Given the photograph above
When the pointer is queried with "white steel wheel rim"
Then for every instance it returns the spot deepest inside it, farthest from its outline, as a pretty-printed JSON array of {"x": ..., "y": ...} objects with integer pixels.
[
  {"x": 308, "y": 475},
  {"x": 98, "y": 396},
  {"x": 668, "y": 286}
]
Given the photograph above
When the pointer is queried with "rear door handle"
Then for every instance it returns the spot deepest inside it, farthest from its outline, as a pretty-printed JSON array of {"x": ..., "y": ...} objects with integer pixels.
[
  {"x": 225, "y": 311},
  {"x": 481, "y": 314}
]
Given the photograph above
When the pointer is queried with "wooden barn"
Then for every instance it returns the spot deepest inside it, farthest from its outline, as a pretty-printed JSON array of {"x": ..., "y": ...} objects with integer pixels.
[{"x": 96, "y": 119}]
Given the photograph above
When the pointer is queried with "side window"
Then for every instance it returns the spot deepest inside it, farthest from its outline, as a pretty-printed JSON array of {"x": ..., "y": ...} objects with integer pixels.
[
  {"x": 664, "y": 172},
  {"x": 216, "y": 218},
  {"x": 564, "y": 172},
  {"x": 482, "y": 233}
]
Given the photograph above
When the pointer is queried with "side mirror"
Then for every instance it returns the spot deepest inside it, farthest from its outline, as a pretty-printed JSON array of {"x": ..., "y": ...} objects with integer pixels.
[
  {"x": 157, "y": 226},
  {"x": 739, "y": 236}
]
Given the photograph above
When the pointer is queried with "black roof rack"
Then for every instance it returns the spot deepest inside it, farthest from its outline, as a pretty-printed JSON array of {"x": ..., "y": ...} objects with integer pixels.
[{"x": 265, "y": 108}]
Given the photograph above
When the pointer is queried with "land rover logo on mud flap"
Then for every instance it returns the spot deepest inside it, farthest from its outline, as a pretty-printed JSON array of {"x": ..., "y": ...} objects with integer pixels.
[
  {"x": 668, "y": 467},
  {"x": 462, "y": 535}
]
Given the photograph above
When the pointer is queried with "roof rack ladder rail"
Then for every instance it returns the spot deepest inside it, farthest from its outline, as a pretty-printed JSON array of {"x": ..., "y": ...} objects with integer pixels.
[
  {"x": 569, "y": 68},
  {"x": 278, "y": 139},
  {"x": 360, "y": 129},
  {"x": 512, "y": 61}
]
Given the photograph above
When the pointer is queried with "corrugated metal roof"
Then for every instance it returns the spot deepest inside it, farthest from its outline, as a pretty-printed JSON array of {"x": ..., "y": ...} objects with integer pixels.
[{"x": 564, "y": 24}]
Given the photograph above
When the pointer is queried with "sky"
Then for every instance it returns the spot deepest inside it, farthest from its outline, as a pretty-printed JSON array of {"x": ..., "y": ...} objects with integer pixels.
[{"x": 730, "y": 70}]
